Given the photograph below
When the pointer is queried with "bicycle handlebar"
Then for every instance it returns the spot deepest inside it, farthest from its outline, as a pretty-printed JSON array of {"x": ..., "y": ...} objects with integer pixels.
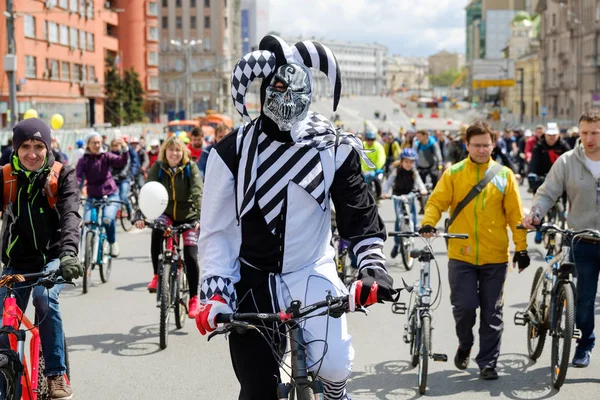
[
  {"x": 174, "y": 229},
  {"x": 103, "y": 201},
  {"x": 47, "y": 278},
  {"x": 568, "y": 232},
  {"x": 333, "y": 304},
  {"x": 439, "y": 234}
]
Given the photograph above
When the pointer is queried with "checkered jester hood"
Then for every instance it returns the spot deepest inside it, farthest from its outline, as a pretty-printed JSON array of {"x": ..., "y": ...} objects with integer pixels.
[{"x": 274, "y": 52}]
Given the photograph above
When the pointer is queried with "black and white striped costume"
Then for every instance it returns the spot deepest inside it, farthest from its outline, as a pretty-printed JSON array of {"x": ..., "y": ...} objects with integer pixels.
[{"x": 266, "y": 232}]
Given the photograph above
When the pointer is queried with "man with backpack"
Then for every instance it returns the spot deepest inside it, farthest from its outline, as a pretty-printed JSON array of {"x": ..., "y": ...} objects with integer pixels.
[
  {"x": 40, "y": 199},
  {"x": 484, "y": 201}
]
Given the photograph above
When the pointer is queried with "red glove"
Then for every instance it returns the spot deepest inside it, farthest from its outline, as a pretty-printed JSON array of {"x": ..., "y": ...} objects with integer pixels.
[
  {"x": 205, "y": 319},
  {"x": 372, "y": 286},
  {"x": 362, "y": 295}
]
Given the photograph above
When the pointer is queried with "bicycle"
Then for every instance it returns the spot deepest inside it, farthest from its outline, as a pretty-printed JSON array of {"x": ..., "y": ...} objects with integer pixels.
[
  {"x": 370, "y": 177},
  {"x": 342, "y": 259},
  {"x": 96, "y": 248},
  {"x": 125, "y": 217},
  {"x": 173, "y": 290},
  {"x": 555, "y": 216},
  {"x": 551, "y": 307},
  {"x": 303, "y": 385},
  {"x": 402, "y": 206},
  {"x": 20, "y": 381},
  {"x": 417, "y": 330}
]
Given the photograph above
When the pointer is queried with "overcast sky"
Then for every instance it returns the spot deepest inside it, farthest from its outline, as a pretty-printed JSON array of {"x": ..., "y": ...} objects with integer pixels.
[{"x": 406, "y": 27}]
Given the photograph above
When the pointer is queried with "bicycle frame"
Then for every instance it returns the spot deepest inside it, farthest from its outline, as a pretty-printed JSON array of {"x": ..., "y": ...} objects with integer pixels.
[{"x": 171, "y": 256}]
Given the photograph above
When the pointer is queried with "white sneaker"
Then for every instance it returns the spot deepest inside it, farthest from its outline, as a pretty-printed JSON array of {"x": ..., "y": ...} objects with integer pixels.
[{"x": 114, "y": 249}]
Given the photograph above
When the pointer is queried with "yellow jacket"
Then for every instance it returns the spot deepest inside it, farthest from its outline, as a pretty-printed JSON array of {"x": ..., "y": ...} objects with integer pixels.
[
  {"x": 485, "y": 219},
  {"x": 377, "y": 156}
]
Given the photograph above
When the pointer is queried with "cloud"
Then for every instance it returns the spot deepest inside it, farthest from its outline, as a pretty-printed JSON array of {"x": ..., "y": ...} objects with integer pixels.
[{"x": 406, "y": 27}]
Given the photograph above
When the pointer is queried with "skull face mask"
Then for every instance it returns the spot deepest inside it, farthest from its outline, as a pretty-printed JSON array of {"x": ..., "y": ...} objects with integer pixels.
[{"x": 288, "y": 96}]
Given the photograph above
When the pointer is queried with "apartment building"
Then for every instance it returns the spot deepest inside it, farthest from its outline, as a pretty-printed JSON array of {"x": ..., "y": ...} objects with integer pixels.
[{"x": 444, "y": 61}]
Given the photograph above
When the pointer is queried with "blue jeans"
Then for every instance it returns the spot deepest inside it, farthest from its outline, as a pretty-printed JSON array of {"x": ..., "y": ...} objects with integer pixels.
[
  {"x": 398, "y": 210},
  {"x": 48, "y": 315},
  {"x": 124, "y": 193},
  {"x": 109, "y": 214},
  {"x": 587, "y": 263}
]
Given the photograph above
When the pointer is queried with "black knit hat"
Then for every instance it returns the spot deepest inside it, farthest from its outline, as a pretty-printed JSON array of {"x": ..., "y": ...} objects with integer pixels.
[{"x": 31, "y": 128}]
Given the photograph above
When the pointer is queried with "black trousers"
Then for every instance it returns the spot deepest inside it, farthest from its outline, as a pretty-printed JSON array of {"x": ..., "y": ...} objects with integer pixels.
[
  {"x": 255, "y": 366},
  {"x": 473, "y": 286}
]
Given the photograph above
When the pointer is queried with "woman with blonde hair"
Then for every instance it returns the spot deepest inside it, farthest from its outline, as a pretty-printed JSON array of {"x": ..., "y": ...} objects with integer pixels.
[{"x": 181, "y": 177}]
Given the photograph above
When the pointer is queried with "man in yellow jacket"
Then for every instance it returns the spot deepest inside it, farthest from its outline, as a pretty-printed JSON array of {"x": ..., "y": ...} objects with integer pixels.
[{"x": 478, "y": 265}]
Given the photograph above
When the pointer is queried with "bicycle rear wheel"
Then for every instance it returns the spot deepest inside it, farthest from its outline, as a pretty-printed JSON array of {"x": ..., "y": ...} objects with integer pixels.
[
  {"x": 182, "y": 292},
  {"x": 126, "y": 219},
  {"x": 88, "y": 260},
  {"x": 564, "y": 317},
  {"x": 536, "y": 330},
  {"x": 424, "y": 351},
  {"x": 106, "y": 265},
  {"x": 165, "y": 304},
  {"x": 406, "y": 245},
  {"x": 8, "y": 378}
]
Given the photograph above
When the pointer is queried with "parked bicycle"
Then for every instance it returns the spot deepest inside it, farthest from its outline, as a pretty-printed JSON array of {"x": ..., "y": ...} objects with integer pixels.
[
  {"x": 417, "y": 329},
  {"x": 551, "y": 307},
  {"x": 20, "y": 380},
  {"x": 304, "y": 384},
  {"x": 94, "y": 245},
  {"x": 173, "y": 290}
]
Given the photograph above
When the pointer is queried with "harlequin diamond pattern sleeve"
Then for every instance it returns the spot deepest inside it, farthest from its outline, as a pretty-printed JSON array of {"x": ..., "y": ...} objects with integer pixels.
[
  {"x": 220, "y": 235},
  {"x": 357, "y": 216}
]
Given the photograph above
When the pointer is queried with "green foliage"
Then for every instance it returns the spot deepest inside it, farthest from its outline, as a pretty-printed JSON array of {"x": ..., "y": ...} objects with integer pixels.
[
  {"x": 445, "y": 79},
  {"x": 124, "y": 96}
]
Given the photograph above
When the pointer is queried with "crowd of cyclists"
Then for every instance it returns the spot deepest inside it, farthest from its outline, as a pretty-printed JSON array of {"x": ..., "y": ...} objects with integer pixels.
[{"x": 413, "y": 161}]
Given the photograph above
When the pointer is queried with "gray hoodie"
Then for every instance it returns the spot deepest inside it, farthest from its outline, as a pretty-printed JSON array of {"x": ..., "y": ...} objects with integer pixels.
[{"x": 570, "y": 173}]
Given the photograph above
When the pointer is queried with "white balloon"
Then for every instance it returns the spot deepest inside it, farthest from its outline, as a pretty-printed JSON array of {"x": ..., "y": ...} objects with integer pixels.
[{"x": 153, "y": 200}]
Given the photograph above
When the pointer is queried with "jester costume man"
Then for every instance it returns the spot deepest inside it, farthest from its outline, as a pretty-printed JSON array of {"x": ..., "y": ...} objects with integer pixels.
[{"x": 265, "y": 225}]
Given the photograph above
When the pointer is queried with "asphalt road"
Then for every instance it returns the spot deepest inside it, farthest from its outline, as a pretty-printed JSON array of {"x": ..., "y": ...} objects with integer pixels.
[{"x": 113, "y": 344}]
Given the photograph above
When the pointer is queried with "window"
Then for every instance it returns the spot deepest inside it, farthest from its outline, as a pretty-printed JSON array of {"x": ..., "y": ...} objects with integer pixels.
[
  {"x": 52, "y": 32},
  {"x": 152, "y": 8},
  {"x": 76, "y": 72},
  {"x": 63, "y": 4},
  {"x": 178, "y": 22},
  {"x": 90, "y": 41},
  {"x": 90, "y": 9},
  {"x": 153, "y": 33},
  {"x": 225, "y": 22},
  {"x": 30, "y": 70},
  {"x": 553, "y": 20},
  {"x": 225, "y": 3},
  {"x": 52, "y": 66},
  {"x": 207, "y": 22},
  {"x": 82, "y": 7},
  {"x": 82, "y": 38},
  {"x": 153, "y": 83},
  {"x": 206, "y": 3},
  {"x": 165, "y": 3},
  {"x": 73, "y": 5},
  {"x": 64, "y": 35},
  {"x": 192, "y": 3},
  {"x": 92, "y": 73},
  {"x": 152, "y": 58},
  {"x": 65, "y": 71},
  {"x": 178, "y": 3},
  {"x": 83, "y": 73},
  {"x": 193, "y": 22},
  {"x": 29, "y": 26},
  {"x": 165, "y": 22},
  {"x": 207, "y": 44},
  {"x": 554, "y": 46},
  {"x": 74, "y": 38}
]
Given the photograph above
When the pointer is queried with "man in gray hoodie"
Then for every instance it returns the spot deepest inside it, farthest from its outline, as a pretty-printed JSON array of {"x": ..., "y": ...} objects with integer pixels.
[{"x": 578, "y": 173}]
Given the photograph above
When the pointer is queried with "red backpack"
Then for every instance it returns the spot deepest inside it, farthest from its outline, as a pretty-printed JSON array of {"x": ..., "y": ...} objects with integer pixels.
[{"x": 50, "y": 188}]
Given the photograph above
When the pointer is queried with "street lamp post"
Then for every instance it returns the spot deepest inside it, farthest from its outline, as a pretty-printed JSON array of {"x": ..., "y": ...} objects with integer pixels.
[{"x": 186, "y": 46}]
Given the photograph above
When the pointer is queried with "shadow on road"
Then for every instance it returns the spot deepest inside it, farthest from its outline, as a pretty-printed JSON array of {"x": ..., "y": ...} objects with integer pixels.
[
  {"x": 134, "y": 287},
  {"x": 136, "y": 343},
  {"x": 519, "y": 379}
]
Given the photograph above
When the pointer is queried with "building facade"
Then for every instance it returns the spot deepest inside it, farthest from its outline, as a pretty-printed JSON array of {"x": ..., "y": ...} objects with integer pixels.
[
  {"x": 362, "y": 67},
  {"x": 60, "y": 59},
  {"x": 407, "y": 73},
  {"x": 139, "y": 48},
  {"x": 196, "y": 45},
  {"x": 444, "y": 61},
  {"x": 569, "y": 54}
]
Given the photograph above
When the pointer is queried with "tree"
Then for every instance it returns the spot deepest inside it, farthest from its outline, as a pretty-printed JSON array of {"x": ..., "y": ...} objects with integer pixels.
[
  {"x": 444, "y": 79},
  {"x": 113, "y": 87},
  {"x": 133, "y": 96}
]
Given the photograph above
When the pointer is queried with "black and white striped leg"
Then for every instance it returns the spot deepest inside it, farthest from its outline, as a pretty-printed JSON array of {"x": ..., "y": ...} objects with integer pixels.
[{"x": 334, "y": 390}]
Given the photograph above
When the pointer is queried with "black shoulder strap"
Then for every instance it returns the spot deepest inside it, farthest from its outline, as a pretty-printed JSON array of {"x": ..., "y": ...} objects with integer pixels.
[{"x": 496, "y": 168}]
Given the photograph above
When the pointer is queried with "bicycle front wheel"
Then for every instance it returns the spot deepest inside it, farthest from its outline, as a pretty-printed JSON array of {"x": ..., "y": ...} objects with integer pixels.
[
  {"x": 182, "y": 293},
  {"x": 425, "y": 348},
  {"x": 537, "y": 329},
  {"x": 564, "y": 319},
  {"x": 165, "y": 304},
  {"x": 88, "y": 260},
  {"x": 126, "y": 219},
  {"x": 8, "y": 378},
  {"x": 406, "y": 245},
  {"x": 106, "y": 265}
]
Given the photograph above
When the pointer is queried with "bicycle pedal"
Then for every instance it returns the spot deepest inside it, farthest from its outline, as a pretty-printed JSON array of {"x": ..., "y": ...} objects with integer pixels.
[
  {"x": 577, "y": 334},
  {"x": 405, "y": 338},
  {"x": 520, "y": 318},
  {"x": 439, "y": 357},
  {"x": 399, "y": 308}
]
